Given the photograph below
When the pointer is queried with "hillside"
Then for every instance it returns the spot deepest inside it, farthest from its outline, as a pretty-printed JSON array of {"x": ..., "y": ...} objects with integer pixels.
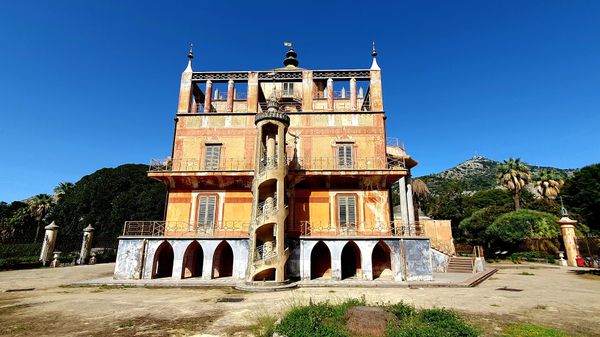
[{"x": 477, "y": 173}]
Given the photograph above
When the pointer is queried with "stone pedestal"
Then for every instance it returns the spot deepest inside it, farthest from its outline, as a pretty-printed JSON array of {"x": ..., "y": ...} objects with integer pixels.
[
  {"x": 567, "y": 227},
  {"x": 49, "y": 242},
  {"x": 86, "y": 244}
]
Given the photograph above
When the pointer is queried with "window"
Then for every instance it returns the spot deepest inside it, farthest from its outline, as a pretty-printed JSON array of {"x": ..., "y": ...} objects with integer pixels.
[
  {"x": 206, "y": 210},
  {"x": 346, "y": 205},
  {"x": 344, "y": 153},
  {"x": 288, "y": 89},
  {"x": 211, "y": 157}
]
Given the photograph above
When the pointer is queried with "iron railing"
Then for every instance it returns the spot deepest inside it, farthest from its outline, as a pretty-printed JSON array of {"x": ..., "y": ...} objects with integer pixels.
[
  {"x": 393, "y": 141},
  {"x": 267, "y": 163},
  {"x": 333, "y": 163},
  {"x": 190, "y": 164},
  {"x": 184, "y": 228},
  {"x": 265, "y": 209},
  {"x": 391, "y": 228},
  {"x": 266, "y": 251}
]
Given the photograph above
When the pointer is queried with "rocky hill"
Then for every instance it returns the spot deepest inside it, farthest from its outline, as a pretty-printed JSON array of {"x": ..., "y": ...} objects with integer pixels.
[{"x": 477, "y": 173}]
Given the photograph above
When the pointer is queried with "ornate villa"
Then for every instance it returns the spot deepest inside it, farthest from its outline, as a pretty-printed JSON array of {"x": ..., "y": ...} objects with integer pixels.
[{"x": 281, "y": 175}]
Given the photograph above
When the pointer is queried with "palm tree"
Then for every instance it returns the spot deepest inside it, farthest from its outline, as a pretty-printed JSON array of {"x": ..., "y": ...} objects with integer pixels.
[
  {"x": 420, "y": 192},
  {"x": 61, "y": 189},
  {"x": 514, "y": 175},
  {"x": 548, "y": 183},
  {"x": 39, "y": 206}
]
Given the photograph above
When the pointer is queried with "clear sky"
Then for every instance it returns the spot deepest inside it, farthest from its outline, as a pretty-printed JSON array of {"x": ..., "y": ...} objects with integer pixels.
[{"x": 92, "y": 84}]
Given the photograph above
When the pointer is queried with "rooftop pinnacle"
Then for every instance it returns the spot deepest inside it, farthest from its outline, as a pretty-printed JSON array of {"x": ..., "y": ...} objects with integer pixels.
[{"x": 290, "y": 56}]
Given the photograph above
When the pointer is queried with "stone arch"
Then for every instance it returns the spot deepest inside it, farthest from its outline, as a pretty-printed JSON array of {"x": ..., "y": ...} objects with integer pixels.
[
  {"x": 381, "y": 261},
  {"x": 351, "y": 264},
  {"x": 223, "y": 260},
  {"x": 193, "y": 260},
  {"x": 320, "y": 261},
  {"x": 265, "y": 275},
  {"x": 162, "y": 265}
]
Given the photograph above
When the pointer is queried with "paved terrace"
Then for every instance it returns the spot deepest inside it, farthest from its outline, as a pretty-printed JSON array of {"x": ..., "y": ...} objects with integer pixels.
[{"x": 553, "y": 297}]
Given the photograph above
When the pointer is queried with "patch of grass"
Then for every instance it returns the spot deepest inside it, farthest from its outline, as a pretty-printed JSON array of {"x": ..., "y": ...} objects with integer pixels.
[
  {"x": 264, "y": 326},
  {"x": 494, "y": 305},
  {"x": 327, "y": 319},
  {"x": 531, "y": 330},
  {"x": 526, "y": 273},
  {"x": 317, "y": 319},
  {"x": 540, "y": 307}
]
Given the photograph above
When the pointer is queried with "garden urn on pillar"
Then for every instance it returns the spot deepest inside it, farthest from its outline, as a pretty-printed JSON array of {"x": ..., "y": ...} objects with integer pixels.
[
  {"x": 86, "y": 244},
  {"x": 49, "y": 242},
  {"x": 567, "y": 228}
]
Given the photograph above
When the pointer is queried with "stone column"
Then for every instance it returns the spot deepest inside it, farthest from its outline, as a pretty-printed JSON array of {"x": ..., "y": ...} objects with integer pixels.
[
  {"x": 208, "y": 96},
  {"x": 307, "y": 90},
  {"x": 49, "y": 242},
  {"x": 230, "y": 94},
  {"x": 375, "y": 91},
  {"x": 353, "y": 94},
  {"x": 567, "y": 227},
  {"x": 330, "y": 103},
  {"x": 403, "y": 208},
  {"x": 185, "y": 91},
  {"x": 409, "y": 204},
  {"x": 86, "y": 244},
  {"x": 252, "y": 92}
]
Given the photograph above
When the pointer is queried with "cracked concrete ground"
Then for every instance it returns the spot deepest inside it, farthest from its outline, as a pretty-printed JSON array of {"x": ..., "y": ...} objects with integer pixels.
[{"x": 551, "y": 297}]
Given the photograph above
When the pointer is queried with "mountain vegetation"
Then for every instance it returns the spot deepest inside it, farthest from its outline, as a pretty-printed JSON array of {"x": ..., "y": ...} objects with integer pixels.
[
  {"x": 480, "y": 197},
  {"x": 105, "y": 199}
]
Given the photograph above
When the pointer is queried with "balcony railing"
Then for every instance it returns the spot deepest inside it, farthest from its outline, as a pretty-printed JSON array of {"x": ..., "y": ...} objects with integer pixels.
[
  {"x": 189, "y": 164},
  {"x": 183, "y": 228},
  {"x": 332, "y": 163},
  {"x": 392, "y": 228},
  {"x": 266, "y": 251}
]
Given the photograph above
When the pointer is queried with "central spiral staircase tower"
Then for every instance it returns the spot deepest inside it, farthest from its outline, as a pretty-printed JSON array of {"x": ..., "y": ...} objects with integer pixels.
[{"x": 268, "y": 251}]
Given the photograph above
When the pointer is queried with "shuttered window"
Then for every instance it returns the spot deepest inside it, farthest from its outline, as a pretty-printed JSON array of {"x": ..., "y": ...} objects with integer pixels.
[
  {"x": 346, "y": 210},
  {"x": 206, "y": 210},
  {"x": 212, "y": 156},
  {"x": 344, "y": 152}
]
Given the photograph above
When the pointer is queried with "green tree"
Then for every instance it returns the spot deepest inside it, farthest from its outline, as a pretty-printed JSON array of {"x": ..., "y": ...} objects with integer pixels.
[
  {"x": 516, "y": 226},
  {"x": 39, "y": 206},
  {"x": 474, "y": 228},
  {"x": 514, "y": 175},
  {"x": 61, "y": 189},
  {"x": 548, "y": 183},
  {"x": 106, "y": 199},
  {"x": 581, "y": 194}
]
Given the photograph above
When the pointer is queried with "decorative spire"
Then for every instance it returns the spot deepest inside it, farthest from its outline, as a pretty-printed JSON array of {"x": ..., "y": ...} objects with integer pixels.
[
  {"x": 291, "y": 60},
  {"x": 190, "y": 57},
  {"x": 374, "y": 65}
]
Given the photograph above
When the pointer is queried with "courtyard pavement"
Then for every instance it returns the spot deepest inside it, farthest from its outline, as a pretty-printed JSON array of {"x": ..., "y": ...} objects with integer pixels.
[{"x": 46, "y": 305}]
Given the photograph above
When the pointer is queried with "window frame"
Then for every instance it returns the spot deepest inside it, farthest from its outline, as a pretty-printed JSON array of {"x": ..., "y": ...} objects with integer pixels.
[
  {"x": 347, "y": 224},
  {"x": 209, "y": 163},
  {"x": 206, "y": 225},
  {"x": 348, "y": 161}
]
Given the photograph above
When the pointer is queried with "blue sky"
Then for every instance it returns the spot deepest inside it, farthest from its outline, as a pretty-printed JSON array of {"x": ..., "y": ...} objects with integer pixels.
[{"x": 92, "y": 84}]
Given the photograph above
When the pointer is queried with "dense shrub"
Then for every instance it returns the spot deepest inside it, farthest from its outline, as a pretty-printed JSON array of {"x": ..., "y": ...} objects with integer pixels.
[
  {"x": 20, "y": 249},
  {"x": 514, "y": 227},
  {"x": 474, "y": 228}
]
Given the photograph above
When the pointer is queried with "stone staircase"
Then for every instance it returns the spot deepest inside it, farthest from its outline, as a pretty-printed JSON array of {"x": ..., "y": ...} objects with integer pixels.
[{"x": 459, "y": 264}]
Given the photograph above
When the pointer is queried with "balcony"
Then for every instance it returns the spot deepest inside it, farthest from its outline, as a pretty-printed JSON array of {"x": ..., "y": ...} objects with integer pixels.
[
  {"x": 190, "y": 164},
  {"x": 236, "y": 228},
  {"x": 352, "y": 164},
  {"x": 377, "y": 229}
]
